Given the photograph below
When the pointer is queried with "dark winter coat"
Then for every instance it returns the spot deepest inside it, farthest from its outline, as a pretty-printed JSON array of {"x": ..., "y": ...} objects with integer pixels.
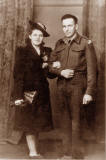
[{"x": 30, "y": 76}]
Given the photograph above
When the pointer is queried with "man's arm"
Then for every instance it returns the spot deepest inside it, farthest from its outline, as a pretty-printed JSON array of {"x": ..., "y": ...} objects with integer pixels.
[
  {"x": 91, "y": 69},
  {"x": 56, "y": 66}
]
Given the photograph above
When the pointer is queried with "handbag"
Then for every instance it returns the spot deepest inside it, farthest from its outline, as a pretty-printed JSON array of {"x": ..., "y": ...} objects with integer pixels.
[{"x": 29, "y": 96}]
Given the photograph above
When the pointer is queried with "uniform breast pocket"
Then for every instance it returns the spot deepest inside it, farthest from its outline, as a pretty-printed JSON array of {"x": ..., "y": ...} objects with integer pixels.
[
  {"x": 78, "y": 51},
  {"x": 77, "y": 57}
]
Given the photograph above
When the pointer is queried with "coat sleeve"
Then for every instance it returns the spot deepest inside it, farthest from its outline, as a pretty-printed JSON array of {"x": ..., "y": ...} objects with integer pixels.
[
  {"x": 18, "y": 74},
  {"x": 91, "y": 69}
]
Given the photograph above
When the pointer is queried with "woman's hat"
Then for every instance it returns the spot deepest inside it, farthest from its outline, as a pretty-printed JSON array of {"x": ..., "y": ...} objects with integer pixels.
[{"x": 39, "y": 26}]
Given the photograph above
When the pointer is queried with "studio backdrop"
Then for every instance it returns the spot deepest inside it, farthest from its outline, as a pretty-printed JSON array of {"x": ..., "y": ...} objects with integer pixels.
[{"x": 14, "y": 17}]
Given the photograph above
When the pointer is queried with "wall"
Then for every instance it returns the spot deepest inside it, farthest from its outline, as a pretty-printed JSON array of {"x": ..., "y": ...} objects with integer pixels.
[
  {"x": 50, "y": 12},
  {"x": 16, "y": 13},
  {"x": 95, "y": 28}
]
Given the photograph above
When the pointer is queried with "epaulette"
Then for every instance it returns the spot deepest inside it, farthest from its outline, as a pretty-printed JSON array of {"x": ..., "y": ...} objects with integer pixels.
[{"x": 88, "y": 40}]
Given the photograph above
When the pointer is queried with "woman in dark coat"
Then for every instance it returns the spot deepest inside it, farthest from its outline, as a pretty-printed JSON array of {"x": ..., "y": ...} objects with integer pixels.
[{"x": 32, "y": 98}]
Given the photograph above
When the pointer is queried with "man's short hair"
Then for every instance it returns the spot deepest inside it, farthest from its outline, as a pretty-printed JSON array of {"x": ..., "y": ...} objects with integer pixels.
[{"x": 66, "y": 16}]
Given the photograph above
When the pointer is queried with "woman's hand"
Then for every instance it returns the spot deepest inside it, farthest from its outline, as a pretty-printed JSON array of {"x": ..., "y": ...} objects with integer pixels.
[
  {"x": 19, "y": 102},
  {"x": 45, "y": 58},
  {"x": 44, "y": 65}
]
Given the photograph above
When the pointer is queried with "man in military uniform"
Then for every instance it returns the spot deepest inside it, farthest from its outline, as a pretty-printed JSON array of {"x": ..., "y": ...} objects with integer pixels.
[{"x": 74, "y": 62}]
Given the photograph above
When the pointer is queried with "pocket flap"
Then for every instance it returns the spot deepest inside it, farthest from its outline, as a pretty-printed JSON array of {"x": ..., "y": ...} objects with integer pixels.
[
  {"x": 60, "y": 48},
  {"x": 77, "y": 48}
]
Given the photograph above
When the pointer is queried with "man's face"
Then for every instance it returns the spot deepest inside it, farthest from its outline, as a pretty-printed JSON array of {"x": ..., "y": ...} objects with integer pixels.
[
  {"x": 69, "y": 27},
  {"x": 36, "y": 37}
]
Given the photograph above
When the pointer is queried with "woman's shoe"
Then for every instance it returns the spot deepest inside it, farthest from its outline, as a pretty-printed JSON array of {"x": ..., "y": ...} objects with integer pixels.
[{"x": 38, "y": 156}]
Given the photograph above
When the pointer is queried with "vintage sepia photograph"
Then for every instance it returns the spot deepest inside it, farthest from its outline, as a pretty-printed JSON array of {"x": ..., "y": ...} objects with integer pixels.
[{"x": 52, "y": 79}]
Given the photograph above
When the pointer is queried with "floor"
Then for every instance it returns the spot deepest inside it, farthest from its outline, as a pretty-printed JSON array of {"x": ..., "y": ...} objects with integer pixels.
[{"x": 50, "y": 149}]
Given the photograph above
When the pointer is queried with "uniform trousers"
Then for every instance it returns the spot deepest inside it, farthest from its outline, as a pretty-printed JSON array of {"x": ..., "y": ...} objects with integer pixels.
[{"x": 70, "y": 98}]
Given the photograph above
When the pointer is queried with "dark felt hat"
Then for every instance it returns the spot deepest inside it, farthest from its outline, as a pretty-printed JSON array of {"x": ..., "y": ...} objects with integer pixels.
[{"x": 39, "y": 26}]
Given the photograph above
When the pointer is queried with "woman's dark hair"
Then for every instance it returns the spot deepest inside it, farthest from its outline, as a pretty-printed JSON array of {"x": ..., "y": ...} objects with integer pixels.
[
  {"x": 66, "y": 16},
  {"x": 31, "y": 28}
]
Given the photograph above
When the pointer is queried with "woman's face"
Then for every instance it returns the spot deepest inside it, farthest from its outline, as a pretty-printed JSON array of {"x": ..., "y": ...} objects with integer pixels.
[{"x": 36, "y": 37}]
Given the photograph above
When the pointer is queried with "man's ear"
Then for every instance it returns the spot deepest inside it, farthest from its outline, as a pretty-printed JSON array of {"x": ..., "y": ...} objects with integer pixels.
[{"x": 76, "y": 26}]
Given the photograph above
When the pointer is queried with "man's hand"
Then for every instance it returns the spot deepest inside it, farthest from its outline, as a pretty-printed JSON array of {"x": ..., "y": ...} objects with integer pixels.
[
  {"x": 87, "y": 99},
  {"x": 56, "y": 64},
  {"x": 67, "y": 73}
]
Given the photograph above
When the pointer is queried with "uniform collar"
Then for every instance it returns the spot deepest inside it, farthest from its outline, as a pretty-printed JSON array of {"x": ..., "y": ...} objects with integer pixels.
[{"x": 75, "y": 38}]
